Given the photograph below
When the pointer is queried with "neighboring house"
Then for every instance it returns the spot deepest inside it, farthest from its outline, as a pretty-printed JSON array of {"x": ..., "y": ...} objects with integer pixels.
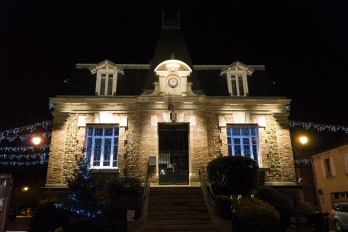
[
  {"x": 331, "y": 175},
  {"x": 177, "y": 114}
]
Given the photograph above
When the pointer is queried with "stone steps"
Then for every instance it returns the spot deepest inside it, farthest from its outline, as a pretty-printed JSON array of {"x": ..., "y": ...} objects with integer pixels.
[{"x": 177, "y": 209}]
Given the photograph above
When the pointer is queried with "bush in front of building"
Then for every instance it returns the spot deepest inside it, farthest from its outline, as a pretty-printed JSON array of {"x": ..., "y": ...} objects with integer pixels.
[
  {"x": 49, "y": 217},
  {"x": 123, "y": 186},
  {"x": 253, "y": 215},
  {"x": 279, "y": 201},
  {"x": 123, "y": 193},
  {"x": 223, "y": 206},
  {"x": 233, "y": 175}
]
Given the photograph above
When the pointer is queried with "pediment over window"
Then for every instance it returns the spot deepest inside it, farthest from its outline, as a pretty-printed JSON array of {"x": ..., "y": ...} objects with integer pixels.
[
  {"x": 106, "y": 65},
  {"x": 237, "y": 66}
]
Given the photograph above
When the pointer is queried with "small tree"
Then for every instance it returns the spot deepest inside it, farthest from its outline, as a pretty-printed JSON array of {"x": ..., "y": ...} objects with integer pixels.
[
  {"x": 83, "y": 205},
  {"x": 233, "y": 175}
]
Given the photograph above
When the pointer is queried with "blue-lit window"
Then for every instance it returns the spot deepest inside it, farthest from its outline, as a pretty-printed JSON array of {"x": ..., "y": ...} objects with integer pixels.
[
  {"x": 102, "y": 145},
  {"x": 242, "y": 140}
]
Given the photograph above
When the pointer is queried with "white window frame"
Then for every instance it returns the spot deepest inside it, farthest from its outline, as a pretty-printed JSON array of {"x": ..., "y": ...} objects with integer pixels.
[
  {"x": 229, "y": 126},
  {"x": 244, "y": 79},
  {"x": 328, "y": 167},
  {"x": 90, "y": 147},
  {"x": 106, "y": 72}
]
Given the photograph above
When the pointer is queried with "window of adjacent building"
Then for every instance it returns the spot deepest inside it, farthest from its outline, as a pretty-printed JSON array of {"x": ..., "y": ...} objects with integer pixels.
[
  {"x": 242, "y": 140},
  {"x": 237, "y": 84},
  {"x": 328, "y": 167},
  {"x": 102, "y": 145},
  {"x": 345, "y": 156}
]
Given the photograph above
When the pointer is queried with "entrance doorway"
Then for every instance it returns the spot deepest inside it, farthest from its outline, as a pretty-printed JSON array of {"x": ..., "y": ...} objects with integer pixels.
[{"x": 173, "y": 161}]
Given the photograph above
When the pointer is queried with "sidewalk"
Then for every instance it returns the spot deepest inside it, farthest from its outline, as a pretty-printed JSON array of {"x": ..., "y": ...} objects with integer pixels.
[{"x": 19, "y": 224}]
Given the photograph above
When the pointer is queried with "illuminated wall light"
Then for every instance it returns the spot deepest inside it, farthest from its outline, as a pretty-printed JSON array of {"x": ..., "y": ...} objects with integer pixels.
[
  {"x": 73, "y": 103},
  {"x": 262, "y": 122},
  {"x": 159, "y": 102},
  {"x": 188, "y": 103}
]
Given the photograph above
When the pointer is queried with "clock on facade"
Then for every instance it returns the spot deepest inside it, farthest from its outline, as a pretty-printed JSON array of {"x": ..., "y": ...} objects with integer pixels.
[{"x": 172, "y": 82}]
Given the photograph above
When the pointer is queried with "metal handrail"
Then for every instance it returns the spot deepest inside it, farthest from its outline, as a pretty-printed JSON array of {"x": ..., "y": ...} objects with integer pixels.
[
  {"x": 204, "y": 180},
  {"x": 145, "y": 184}
]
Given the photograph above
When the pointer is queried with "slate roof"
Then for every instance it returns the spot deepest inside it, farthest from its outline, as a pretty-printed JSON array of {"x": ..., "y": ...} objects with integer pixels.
[{"x": 134, "y": 79}]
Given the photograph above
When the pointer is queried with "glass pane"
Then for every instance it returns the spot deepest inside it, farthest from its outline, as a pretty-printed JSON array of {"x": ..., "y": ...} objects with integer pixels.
[
  {"x": 245, "y": 131},
  {"x": 255, "y": 152},
  {"x": 89, "y": 147},
  {"x": 246, "y": 150},
  {"x": 234, "y": 87},
  {"x": 102, "y": 84},
  {"x": 98, "y": 131},
  {"x": 229, "y": 140},
  {"x": 107, "y": 152},
  {"x": 116, "y": 130},
  {"x": 97, "y": 152},
  {"x": 109, "y": 131},
  {"x": 230, "y": 150},
  {"x": 253, "y": 139},
  {"x": 237, "y": 150},
  {"x": 235, "y": 131},
  {"x": 110, "y": 81},
  {"x": 253, "y": 131},
  {"x": 114, "y": 156},
  {"x": 246, "y": 141},
  {"x": 90, "y": 131},
  {"x": 241, "y": 88}
]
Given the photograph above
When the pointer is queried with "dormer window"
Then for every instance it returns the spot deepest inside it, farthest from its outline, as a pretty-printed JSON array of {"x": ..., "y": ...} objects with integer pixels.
[
  {"x": 237, "y": 78},
  {"x": 106, "y": 83},
  {"x": 239, "y": 86}
]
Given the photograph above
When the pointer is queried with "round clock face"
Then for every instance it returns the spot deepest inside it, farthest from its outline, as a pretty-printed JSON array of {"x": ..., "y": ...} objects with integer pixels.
[{"x": 172, "y": 81}]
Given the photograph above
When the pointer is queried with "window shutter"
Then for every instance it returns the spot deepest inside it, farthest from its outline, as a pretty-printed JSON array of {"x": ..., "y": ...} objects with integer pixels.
[
  {"x": 322, "y": 164},
  {"x": 345, "y": 156},
  {"x": 333, "y": 170}
]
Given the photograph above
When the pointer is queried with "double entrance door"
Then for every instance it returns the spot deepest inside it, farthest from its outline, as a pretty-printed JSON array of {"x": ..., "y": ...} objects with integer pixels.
[{"x": 173, "y": 161}]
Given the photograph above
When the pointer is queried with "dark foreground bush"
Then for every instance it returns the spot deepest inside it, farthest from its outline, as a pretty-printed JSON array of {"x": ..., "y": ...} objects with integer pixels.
[
  {"x": 280, "y": 202},
  {"x": 223, "y": 206},
  {"x": 48, "y": 217},
  {"x": 224, "y": 173},
  {"x": 123, "y": 186},
  {"x": 254, "y": 215}
]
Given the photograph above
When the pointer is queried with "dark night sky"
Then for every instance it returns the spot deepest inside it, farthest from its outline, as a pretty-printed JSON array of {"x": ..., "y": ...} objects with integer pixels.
[{"x": 303, "y": 44}]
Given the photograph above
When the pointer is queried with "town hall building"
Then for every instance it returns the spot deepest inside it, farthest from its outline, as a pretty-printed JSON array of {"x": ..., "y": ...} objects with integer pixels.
[{"x": 171, "y": 116}]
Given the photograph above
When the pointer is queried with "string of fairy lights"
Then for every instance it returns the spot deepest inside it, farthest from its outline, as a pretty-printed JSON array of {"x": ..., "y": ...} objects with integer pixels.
[
  {"x": 23, "y": 133},
  {"x": 25, "y": 155}
]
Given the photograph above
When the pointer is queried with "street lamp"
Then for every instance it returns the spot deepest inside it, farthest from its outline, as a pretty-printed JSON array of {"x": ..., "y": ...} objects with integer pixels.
[
  {"x": 36, "y": 140},
  {"x": 303, "y": 140}
]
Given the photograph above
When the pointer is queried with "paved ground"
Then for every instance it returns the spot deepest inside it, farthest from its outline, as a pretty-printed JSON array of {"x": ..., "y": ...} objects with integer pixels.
[{"x": 19, "y": 224}]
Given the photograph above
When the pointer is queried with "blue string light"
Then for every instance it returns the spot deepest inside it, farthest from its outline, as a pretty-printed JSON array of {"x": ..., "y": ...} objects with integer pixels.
[{"x": 319, "y": 127}]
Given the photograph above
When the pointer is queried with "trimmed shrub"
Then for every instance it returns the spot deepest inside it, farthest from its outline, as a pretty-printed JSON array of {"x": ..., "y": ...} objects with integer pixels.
[
  {"x": 233, "y": 175},
  {"x": 223, "y": 206},
  {"x": 279, "y": 201},
  {"x": 123, "y": 186},
  {"x": 254, "y": 215},
  {"x": 305, "y": 207}
]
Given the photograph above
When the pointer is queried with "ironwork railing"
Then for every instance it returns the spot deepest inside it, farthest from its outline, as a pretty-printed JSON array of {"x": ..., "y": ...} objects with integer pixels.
[{"x": 206, "y": 184}]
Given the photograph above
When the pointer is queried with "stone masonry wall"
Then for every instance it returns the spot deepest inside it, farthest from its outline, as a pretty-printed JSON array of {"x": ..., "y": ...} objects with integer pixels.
[{"x": 56, "y": 155}]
